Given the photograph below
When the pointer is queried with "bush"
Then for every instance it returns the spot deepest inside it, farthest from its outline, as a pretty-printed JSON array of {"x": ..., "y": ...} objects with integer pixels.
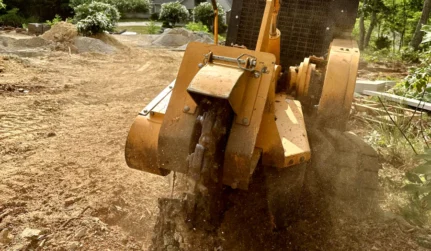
[
  {"x": 204, "y": 13},
  {"x": 197, "y": 27},
  {"x": 54, "y": 21},
  {"x": 173, "y": 12},
  {"x": 154, "y": 16},
  {"x": 12, "y": 18},
  {"x": 153, "y": 28},
  {"x": 382, "y": 43},
  {"x": 95, "y": 18},
  {"x": 2, "y": 5},
  {"x": 122, "y": 5}
]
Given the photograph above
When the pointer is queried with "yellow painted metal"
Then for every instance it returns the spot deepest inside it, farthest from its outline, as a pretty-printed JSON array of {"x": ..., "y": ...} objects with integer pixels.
[
  {"x": 214, "y": 3},
  {"x": 291, "y": 128},
  {"x": 215, "y": 81},
  {"x": 283, "y": 136},
  {"x": 274, "y": 44},
  {"x": 141, "y": 144},
  {"x": 340, "y": 81},
  {"x": 177, "y": 129},
  {"x": 263, "y": 39}
]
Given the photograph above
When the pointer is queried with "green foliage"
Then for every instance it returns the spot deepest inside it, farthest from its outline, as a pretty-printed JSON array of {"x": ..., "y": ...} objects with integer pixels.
[
  {"x": 427, "y": 36},
  {"x": 153, "y": 28},
  {"x": 173, "y": 12},
  {"x": 2, "y": 5},
  {"x": 12, "y": 17},
  {"x": 416, "y": 82},
  {"x": 123, "y": 6},
  {"x": 204, "y": 13},
  {"x": 197, "y": 27},
  {"x": 54, "y": 21},
  {"x": 419, "y": 181},
  {"x": 154, "y": 17},
  {"x": 95, "y": 18},
  {"x": 382, "y": 43}
]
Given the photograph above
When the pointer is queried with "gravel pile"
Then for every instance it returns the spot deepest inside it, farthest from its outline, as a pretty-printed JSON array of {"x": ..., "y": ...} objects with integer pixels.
[
  {"x": 87, "y": 44},
  {"x": 180, "y": 37}
]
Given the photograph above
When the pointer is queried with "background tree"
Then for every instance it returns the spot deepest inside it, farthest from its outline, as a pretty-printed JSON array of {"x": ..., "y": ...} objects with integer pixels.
[
  {"x": 417, "y": 38},
  {"x": 204, "y": 13},
  {"x": 173, "y": 13}
]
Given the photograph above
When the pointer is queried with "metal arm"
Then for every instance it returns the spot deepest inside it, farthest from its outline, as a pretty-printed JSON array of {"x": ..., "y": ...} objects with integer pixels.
[{"x": 214, "y": 3}]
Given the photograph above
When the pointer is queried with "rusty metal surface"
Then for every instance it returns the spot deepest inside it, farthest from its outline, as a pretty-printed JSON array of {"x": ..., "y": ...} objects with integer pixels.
[
  {"x": 141, "y": 145},
  {"x": 215, "y": 81}
]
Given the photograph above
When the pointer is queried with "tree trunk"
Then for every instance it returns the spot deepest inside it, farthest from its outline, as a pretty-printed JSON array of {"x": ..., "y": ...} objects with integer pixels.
[
  {"x": 362, "y": 28},
  {"x": 417, "y": 37},
  {"x": 370, "y": 29}
]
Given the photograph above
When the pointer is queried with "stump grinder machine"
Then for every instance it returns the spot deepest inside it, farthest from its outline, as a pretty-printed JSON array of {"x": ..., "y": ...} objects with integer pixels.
[{"x": 284, "y": 67}]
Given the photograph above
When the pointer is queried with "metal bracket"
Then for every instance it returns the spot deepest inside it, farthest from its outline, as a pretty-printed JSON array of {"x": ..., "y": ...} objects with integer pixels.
[
  {"x": 247, "y": 64},
  {"x": 158, "y": 99}
]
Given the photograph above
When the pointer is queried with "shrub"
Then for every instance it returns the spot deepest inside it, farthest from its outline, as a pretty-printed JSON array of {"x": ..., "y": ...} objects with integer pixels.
[
  {"x": 204, "y": 13},
  {"x": 153, "y": 28},
  {"x": 2, "y": 5},
  {"x": 154, "y": 16},
  {"x": 95, "y": 18},
  {"x": 382, "y": 43},
  {"x": 122, "y": 5},
  {"x": 12, "y": 18},
  {"x": 173, "y": 12},
  {"x": 197, "y": 27},
  {"x": 54, "y": 21}
]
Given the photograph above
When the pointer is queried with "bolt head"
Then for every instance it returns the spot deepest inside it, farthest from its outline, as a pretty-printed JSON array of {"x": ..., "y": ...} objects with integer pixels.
[
  {"x": 186, "y": 108},
  {"x": 245, "y": 121},
  {"x": 200, "y": 65},
  {"x": 256, "y": 74}
]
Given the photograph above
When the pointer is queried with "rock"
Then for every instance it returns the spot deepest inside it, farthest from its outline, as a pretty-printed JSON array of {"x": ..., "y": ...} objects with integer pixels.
[
  {"x": 51, "y": 134},
  {"x": 73, "y": 245},
  {"x": 80, "y": 233},
  {"x": 70, "y": 201},
  {"x": 29, "y": 233},
  {"x": 5, "y": 237}
]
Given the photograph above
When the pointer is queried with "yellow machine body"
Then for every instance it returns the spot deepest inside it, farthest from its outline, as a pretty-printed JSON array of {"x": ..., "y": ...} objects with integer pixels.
[{"x": 268, "y": 127}]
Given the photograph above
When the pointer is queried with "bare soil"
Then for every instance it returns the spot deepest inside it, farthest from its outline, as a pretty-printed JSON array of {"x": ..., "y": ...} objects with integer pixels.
[{"x": 63, "y": 125}]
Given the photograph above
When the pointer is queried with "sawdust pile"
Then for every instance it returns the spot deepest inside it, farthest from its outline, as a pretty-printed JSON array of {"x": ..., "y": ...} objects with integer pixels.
[{"x": 61, "y": 32}]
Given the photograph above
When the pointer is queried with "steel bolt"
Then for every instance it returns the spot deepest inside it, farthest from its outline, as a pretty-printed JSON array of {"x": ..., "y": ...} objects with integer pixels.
[
  {"x": 245, "y": 121},
  {"x": 145, "y": 111},
  {"x": 200, "y": 65},
  {"x": 170, "y": 87},
  {"x": 256, "y": 74},
  {"x": 186, "y": 108}
]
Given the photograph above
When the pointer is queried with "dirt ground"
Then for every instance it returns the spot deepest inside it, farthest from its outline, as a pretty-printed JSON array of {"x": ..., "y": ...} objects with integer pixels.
[
  {"x": 62, "y": 148},
  {"x": 64, "y": 183}
]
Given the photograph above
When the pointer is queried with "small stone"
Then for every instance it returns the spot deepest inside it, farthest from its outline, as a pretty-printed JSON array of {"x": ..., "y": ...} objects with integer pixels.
[
  {"x": 73, "y": 245},
  {"x": 5, "y": 237},
  {"x": 29, "y": 233},
  {"x": 51, "y": 134},
  {"x": 70, "y": 201},
  {"x": 21, "y": 90}
]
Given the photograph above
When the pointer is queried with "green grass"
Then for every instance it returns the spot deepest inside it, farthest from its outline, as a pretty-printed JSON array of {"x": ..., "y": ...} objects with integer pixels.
[
  {"x": 137, "y": 29},
  {"x": 134, "y": 20}
]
